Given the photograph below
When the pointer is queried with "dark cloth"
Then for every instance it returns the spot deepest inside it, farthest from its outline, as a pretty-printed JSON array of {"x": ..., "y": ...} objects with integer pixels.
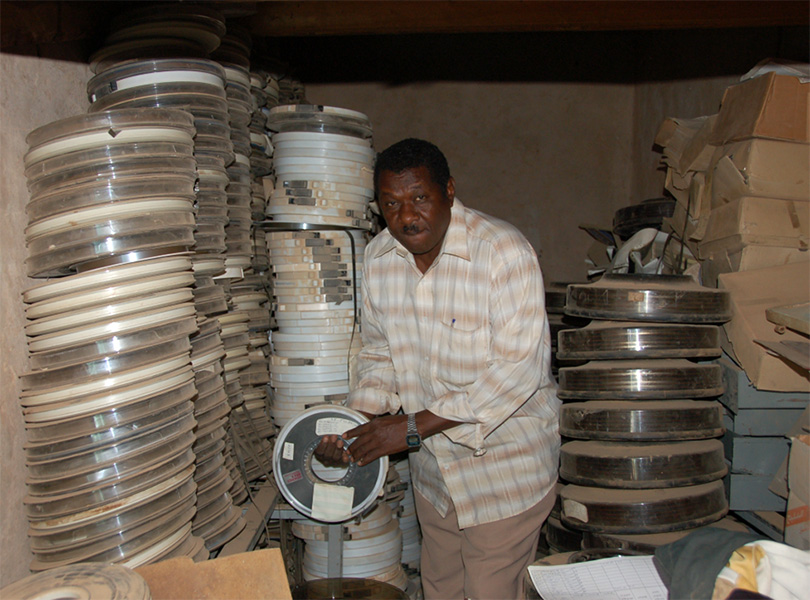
[{"x": 690, "y": 566}]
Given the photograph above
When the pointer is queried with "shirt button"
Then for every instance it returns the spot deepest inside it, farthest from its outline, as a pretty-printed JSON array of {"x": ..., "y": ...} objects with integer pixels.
[{"x": 479, "y": 452}]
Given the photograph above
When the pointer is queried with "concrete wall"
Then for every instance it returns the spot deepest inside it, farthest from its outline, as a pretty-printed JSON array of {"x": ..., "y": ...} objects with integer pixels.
[
  {"x": 34, "y": 92},
  {"x": 652, "y": 103},
  {"x": 543, "y": 156}
]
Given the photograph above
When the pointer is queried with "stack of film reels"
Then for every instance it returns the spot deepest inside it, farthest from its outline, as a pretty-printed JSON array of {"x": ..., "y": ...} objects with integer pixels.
[
  {"x": 250, "y": 452},
  {"x": 108, "y": 401},
  {"x": 316, "y": 247},
  {"x": 372, "y": 548},
  {"x": 318, "y": 212},
  {"x": 555, "y": 293},
  {"x": 406, "y": 514},
  {"x": 644, "y": 459},
  {"x": 218, "y": 96},
  {"x": 346, "y": 500},
  {"x": 197, "y": 86}
]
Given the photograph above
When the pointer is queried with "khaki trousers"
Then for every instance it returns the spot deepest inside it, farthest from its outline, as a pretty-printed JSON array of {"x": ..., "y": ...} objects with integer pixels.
[{"x": 482, "y": 562}]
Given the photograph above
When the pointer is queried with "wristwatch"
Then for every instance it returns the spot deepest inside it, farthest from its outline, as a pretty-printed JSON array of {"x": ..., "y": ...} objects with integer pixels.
[{"x": 412, "y": 437}]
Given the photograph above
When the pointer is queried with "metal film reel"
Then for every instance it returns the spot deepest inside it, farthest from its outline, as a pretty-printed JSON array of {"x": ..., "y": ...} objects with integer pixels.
[
  {"x": 643, "y": 297},
  {"x": 297, "y": 471}
]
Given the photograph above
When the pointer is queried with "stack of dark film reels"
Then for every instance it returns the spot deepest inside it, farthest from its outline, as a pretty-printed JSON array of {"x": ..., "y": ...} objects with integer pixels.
[
  {"x": 555, "y": 293},
  {"x": 640, "y": 418}
]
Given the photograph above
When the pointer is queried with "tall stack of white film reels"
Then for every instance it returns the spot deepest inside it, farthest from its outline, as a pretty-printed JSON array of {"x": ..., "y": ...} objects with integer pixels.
[
  {"x": 107, "y": 404},
  {"x": 318, "y": 213},
  {"x": 193, "y": 83},
  {"x": 318, "y": 219}
]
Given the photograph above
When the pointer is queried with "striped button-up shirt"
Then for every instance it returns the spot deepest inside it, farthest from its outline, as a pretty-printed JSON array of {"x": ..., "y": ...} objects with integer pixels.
[{"x": 469, "y": 341}]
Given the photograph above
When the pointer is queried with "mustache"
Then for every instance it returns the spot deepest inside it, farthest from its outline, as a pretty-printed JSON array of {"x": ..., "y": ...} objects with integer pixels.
[{"x": 410, "y": 229}]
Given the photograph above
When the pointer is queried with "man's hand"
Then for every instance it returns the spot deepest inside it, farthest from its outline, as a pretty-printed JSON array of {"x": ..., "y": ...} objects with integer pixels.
[
  {"x": 379, "y": 437},
  {"x": 331, "y": 451}
]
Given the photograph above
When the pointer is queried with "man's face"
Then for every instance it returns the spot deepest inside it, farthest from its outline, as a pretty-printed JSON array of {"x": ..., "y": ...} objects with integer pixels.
[{"x": 417, "y": 211}]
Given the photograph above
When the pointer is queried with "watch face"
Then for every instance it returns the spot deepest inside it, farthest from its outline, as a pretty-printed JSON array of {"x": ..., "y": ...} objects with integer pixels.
[{"x": 413, "y": 440}]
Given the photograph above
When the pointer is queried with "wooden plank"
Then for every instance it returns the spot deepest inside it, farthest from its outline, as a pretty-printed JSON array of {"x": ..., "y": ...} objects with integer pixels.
[
  {"x": 360, "y": 17},
  {"x": 27, "y": 24},
  {"x": 23, "y": 23}
]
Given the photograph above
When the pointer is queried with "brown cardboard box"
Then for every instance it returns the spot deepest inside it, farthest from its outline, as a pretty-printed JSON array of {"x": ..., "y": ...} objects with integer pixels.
[
  {"x": 779, "y": 485},
  {"x": 258, "y": 574},
  {"x": 752, "y": 292},
  {"x": 762, "y": 168},
  {"x": 678, "y": 185},
  {"x": 747, "y": 258},
  {"x": 685, "y": 143},
  {"x": 757, "y": 221},
  {"x": 770, "y": 106},
  {"x": 797, "y": 518}
]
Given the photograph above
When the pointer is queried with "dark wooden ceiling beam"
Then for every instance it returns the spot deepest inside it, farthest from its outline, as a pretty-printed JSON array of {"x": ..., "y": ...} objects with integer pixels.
[{"x": 282, "y": 18}]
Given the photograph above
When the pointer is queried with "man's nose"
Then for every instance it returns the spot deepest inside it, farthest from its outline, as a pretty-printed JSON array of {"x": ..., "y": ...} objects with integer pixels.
[{"x": 407, "y": 213}]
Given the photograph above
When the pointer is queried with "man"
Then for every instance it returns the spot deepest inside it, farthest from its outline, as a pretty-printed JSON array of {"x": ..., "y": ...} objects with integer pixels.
[{"x": 456, "y": 336}]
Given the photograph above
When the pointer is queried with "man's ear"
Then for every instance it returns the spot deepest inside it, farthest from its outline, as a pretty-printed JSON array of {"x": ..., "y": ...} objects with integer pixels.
[{"x": 451, "y": 189}]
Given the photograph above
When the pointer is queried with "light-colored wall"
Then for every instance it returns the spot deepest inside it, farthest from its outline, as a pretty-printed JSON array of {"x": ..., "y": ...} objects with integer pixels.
[
  {"x": 543, "y": 156},
  {"x": 655, "y": 101},
  {"x": 34, "y": 92}
]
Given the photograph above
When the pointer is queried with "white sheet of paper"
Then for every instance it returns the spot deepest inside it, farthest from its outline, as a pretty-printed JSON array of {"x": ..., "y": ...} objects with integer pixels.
[
  {"x": 332, "y": 503},
  {"x": 618, "y": 578}
]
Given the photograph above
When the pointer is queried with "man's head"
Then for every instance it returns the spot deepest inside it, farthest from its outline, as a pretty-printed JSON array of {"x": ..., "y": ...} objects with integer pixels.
[
  {"x": 411, "y": 153},
  {"x": 415, "y": 193}
]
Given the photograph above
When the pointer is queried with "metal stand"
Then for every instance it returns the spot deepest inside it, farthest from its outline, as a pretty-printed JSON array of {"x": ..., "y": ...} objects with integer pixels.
[
  {"x": 334, "y": 547},
  {"x": 334, "y": 541}
]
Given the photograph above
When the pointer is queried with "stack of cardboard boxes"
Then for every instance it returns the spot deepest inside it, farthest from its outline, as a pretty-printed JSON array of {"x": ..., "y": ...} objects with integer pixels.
[{"x": 741, "y": 179}]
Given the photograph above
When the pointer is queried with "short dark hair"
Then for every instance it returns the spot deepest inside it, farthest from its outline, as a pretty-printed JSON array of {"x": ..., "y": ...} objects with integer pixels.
[{"x": 411, "y": 153}]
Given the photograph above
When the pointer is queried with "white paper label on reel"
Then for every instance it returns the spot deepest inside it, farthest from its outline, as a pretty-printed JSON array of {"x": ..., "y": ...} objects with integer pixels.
[
  {"x": 333, "y": 426},
  {"x": 289, "y": 451},
  {"x": 332, "y": 503},
  {"x": 575, "y": 510}
]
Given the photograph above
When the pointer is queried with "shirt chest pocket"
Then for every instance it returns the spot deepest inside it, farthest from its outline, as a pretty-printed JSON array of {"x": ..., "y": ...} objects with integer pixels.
[{"x": 462, "y": 352}]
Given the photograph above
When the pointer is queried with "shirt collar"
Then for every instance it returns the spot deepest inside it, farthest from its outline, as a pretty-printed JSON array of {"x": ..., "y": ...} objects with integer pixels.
[{"x": 455, "y": 239}]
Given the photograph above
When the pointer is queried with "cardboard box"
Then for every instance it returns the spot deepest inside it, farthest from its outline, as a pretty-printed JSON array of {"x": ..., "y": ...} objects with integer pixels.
[
  {"x": 779, "y": 485},
  {"x": 678, "y": 185},
  {"x": 257, "y": 574},
  {"x": 797, "y": 519},
  {"x": 744, "y": 257},
  {"x": 685, "y": 143},
  {"x": 769, "y": 106},
  {"x": 762, "y": 168},
  {"x": 752, "y": 292},
  {"x": 757, "y": 221}
]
